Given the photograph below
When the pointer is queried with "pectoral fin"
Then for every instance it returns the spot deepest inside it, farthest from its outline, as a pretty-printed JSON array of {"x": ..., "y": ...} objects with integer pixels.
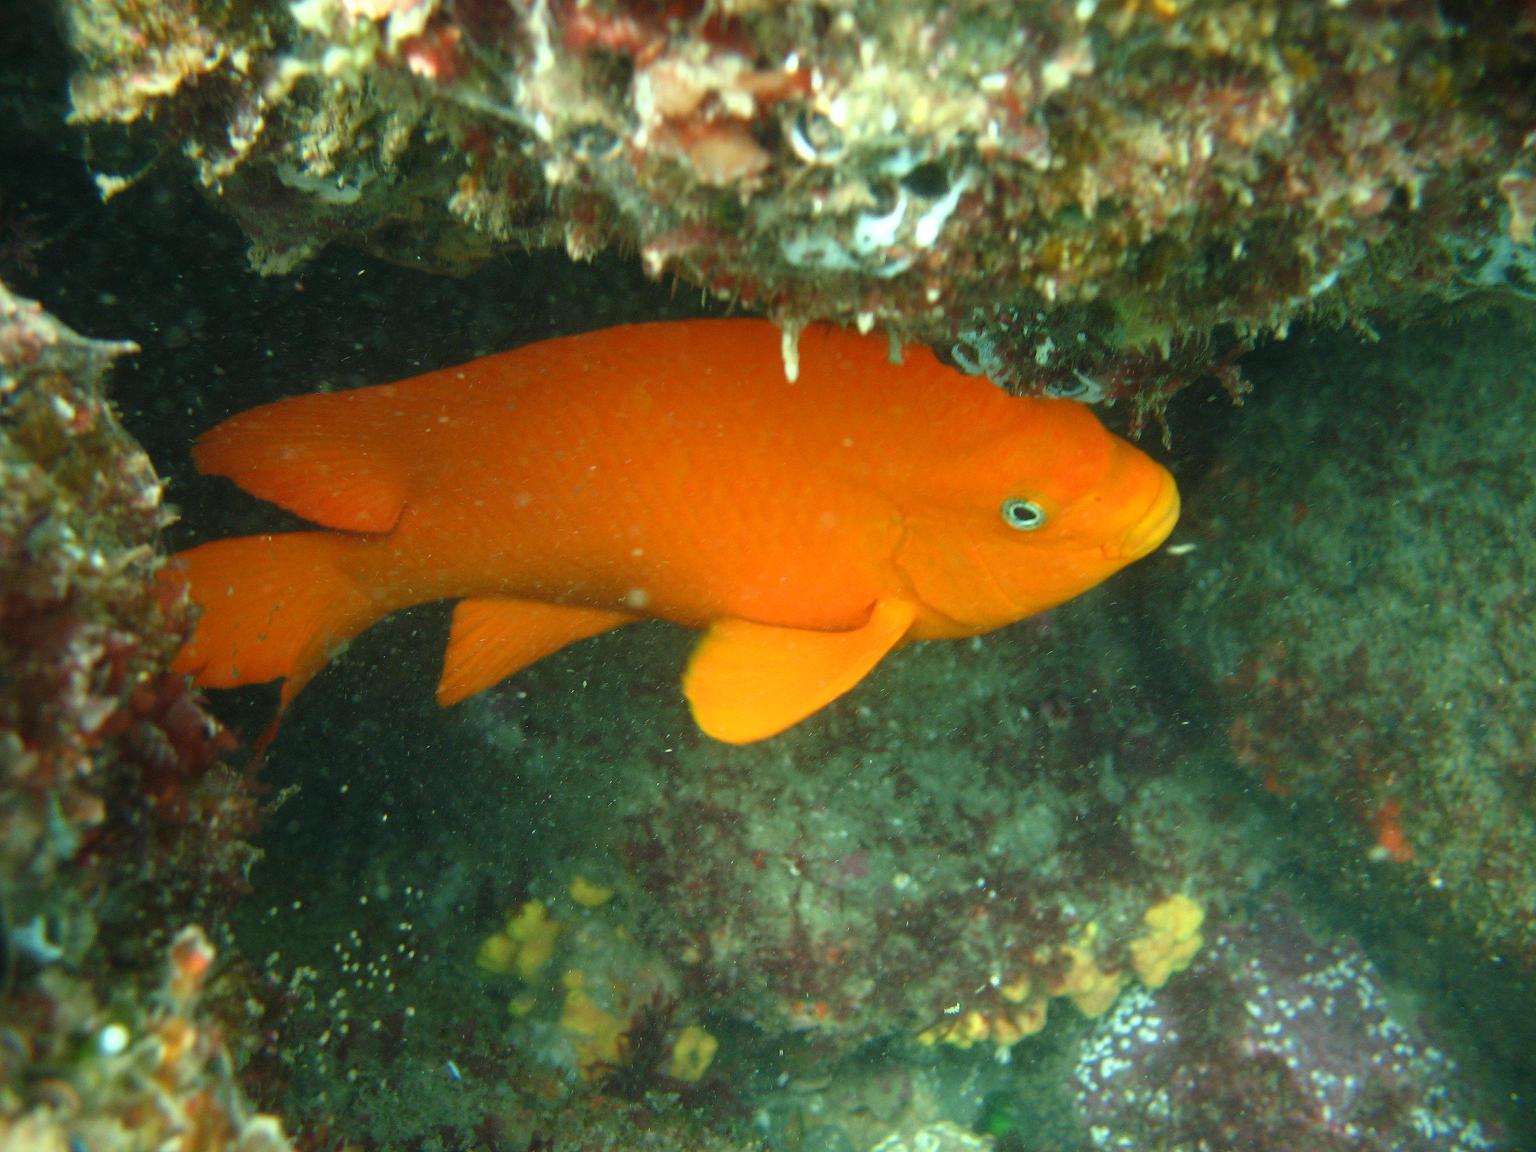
[
  {"x": 494, "y": 637},
  {"x": 749, "y": 681}
]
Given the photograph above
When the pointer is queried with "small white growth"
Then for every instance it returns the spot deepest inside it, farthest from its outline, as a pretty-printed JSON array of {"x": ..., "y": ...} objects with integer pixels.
[
  {"x": 817, "y": 250},
  {"x": 932, "y": 221},
  {"x": 874, "y": 233},
  {"x": 311, "y": 15},
  {"x": 112, "y": 1040},
  {"x": 1500, "y": 263},
  {"x": 789, "y": 348}
]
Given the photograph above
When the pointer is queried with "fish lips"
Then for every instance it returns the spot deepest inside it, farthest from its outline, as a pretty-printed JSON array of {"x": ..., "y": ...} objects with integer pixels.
[{"x": 1153, "y": 526}]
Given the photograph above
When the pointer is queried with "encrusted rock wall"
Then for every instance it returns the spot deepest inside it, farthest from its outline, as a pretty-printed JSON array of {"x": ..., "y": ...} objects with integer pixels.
[{"x": 1068, "y": 196}]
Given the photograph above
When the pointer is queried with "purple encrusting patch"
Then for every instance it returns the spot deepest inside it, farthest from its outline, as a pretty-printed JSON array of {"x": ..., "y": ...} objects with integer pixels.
[{"x": 1272, "y": 1042}]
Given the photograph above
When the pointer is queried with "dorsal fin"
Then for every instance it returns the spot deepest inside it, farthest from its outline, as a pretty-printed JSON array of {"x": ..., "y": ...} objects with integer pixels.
[{"x": 339, "y": 459}]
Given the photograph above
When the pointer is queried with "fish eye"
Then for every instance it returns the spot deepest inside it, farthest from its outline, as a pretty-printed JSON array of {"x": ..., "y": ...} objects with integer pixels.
[{"x": 1025, "y": 515}]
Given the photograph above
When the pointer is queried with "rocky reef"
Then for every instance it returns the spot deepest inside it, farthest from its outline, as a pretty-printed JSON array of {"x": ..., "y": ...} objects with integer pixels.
[
  {"x": 1366, "y": 621},
  {"x": 1276, "y": 1041},
  {"x": 1075, "y": 198},
  {"x": 1236, "y": 851},
  {"x": 121, "y": 825}
]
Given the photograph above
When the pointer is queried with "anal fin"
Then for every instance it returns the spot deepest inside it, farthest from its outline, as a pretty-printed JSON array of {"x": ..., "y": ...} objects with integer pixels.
[
  {"x": 749, "y": 681},
  {"x": 494, "y": 637}
]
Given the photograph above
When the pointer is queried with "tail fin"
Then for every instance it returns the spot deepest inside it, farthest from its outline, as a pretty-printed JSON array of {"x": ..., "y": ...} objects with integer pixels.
[{"x": 272, "y": 608}]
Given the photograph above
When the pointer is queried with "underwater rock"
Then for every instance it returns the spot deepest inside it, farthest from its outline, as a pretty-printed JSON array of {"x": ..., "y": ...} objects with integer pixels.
[
  {"x": 129, "y": 1073},
  {"x": 113, "y": 768},
  {"x": 1027, "y": 844},
  {"x": 1137, "y": 174},
  {"x": 1273, "y": 1042},
  {"x": 118, "y": 820},
  {"x": 1360, "y": 593}
]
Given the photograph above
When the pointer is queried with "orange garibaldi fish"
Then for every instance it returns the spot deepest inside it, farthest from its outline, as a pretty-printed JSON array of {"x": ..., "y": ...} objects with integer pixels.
[{"x": 667, "y": 470}]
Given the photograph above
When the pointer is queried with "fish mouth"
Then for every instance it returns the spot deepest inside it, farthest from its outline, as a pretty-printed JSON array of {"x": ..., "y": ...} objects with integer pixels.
[{"x": 1156, "y": 522}]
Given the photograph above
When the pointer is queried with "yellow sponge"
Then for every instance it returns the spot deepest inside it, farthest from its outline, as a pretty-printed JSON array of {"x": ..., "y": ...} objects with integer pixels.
[{"x": 1170, "y": 940}]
